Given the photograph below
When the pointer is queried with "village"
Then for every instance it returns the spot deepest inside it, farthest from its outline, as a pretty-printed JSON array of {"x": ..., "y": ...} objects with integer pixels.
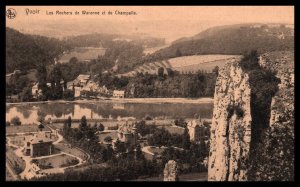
[{"x": 46, "y": 150}]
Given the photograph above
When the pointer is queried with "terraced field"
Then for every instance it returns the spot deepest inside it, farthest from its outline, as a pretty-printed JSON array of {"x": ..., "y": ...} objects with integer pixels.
[
  {"x": 185, "y": 64},
  {"x": 82, "y": 54}
]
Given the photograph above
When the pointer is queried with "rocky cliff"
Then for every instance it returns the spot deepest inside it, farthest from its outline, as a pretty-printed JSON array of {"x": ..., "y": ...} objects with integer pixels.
[
  {"x": 252, "y": 128},
  {"x": 231, "y": 125}
]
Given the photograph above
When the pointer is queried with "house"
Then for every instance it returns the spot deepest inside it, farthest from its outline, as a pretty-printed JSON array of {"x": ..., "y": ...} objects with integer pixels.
[
  {"x": 77, "y": 91},
  {"x": 83, "y": 79},
  {"x": 39, "y": 144},
  {"x": 196, "y": 129},
  {"x": 35, "y": 91},
  {"x": 126, "y": 134},
  {"x": 118, "y": 93}
]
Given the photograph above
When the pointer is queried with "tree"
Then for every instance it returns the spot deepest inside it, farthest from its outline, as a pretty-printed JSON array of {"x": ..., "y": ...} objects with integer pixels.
[
  {"x": 180, "y": 122},
  {"x": 108, "y": 139},
  {"x": 101, "y": 127},
  {"x": 178, "y": 53},
  {"x": 69, "y": 94},
  {"x": 69, "y": 121},
  {"x": 160, "y": 72},
  {"x": 120, "y": 147},
  {"x": 186, "y": 139},
  {"x": 56, "y": 88},
  {"x": 73, "y": 60},
  {"x": 16, "y": 121},
  {"x": 41, "y": 119},
  {"x": 83, "y": 123},
  {"x": 26, "y": 94},
  {"x": 216, "y": 70}
]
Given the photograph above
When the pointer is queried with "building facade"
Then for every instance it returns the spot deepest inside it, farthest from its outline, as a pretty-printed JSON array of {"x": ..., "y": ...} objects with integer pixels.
[
  {"x": 38, "y": 145},
  {"x": 196, "y": 129},
  {"x": 118, "y": 93}
]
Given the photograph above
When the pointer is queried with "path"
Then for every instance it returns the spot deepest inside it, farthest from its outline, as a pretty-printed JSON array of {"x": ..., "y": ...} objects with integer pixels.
[
  {"x": 146, "y": 150},
  {"x": 27, "y": 174}
]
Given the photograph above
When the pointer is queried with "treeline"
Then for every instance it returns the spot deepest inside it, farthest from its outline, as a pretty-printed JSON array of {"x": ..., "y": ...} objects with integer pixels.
[
  {"x": 176, "y": 85},
  {"x": 85, "y": 138},
  {"x": 25, "y": 52}
]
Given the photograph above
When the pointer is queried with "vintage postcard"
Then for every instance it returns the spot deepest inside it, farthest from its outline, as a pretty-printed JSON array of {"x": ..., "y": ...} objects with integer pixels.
[{"x": 149, "y": 93}]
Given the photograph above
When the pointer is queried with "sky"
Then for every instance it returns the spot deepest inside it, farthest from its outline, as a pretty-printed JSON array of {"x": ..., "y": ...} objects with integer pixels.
[{"x": 170, "y": 22}]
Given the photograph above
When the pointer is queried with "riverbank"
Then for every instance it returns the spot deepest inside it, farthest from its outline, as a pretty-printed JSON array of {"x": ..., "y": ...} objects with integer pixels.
[{"x": 125, "y": 100}]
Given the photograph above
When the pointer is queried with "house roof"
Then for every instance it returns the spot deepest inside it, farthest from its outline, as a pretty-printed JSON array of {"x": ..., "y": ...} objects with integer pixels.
[
  {"x": 83, "y": 77},
  {"x": 40, "y": 138},
  {"x": 127, "y": 128},
  {"x": 119, "y": 92}
]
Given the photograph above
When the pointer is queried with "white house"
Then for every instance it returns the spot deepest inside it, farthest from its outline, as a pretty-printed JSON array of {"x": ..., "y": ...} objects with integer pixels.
[
  {"x": 196, "y": 129},
  {"x": 118, "y": 93}
]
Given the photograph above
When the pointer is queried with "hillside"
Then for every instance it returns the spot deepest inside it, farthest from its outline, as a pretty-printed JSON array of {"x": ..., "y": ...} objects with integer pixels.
[
  {"x": 25, "y": 52},
  {"x": 234, "y": 39},
  {"x": 184, "y": 64}
]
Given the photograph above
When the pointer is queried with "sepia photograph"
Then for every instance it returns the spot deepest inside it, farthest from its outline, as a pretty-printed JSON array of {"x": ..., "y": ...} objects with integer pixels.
[{"x": 149, "y": 93}]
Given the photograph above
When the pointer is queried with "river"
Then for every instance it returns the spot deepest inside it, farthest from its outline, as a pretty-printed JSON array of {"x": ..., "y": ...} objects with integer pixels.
[{"x": 28, "y": 113}]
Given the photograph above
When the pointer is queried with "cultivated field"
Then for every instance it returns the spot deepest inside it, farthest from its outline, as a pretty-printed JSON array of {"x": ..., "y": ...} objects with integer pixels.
[
  {"x": 184, "y": 64},
  {"x": 82, "y": 54}
]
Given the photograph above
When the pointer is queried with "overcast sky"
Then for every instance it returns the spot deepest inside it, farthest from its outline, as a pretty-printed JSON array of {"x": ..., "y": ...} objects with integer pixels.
[{"x": 170, "y": 22}]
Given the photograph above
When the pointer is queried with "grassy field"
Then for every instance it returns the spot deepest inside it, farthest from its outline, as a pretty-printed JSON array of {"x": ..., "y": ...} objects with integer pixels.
[
  {"x": 103, "y": 135},
  {"x": 73, "y": 151},
  {"x": 56, "y": 161},
  {"x": 174, "y": 130},
  {"x": 23, "y": 129},
  {"x": 82, "y": 54}
]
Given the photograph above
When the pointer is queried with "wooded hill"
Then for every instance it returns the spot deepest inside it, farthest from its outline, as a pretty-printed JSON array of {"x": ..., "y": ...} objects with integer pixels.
[{"x": 233, "y": 39}]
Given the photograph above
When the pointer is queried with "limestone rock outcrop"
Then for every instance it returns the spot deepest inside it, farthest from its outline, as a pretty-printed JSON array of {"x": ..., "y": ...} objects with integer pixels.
[
  {"x": 171, "y": 171},
  {"x": 231, "y": 125},
  {"x": 237, "y": 151}
]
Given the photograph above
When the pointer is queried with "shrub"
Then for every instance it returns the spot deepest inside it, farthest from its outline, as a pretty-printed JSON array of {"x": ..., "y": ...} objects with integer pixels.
[
  {"x": 16, "y": 121},
  {"x": 239, "y": 111},
  {"x": 107, "y": 139},
  {"x": 148, "y": 118},
  {"x": 7, "y": 123}
]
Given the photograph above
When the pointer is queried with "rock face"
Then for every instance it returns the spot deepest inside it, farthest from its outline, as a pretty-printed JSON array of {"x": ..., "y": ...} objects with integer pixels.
[
  {"x": 277, "y": 145},
  {"x": 231, "y": 125},
  {"x": 171, "y": 171},
  {"x": 235, "y": 152}
]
